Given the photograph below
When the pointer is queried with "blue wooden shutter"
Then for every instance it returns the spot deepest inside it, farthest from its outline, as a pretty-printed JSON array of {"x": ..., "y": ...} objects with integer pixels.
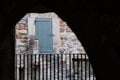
[{"x": 44, "y": 32}]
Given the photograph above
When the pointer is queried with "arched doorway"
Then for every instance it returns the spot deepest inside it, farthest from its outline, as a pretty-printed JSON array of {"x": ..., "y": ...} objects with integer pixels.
[{"x": 34, "y": 33}]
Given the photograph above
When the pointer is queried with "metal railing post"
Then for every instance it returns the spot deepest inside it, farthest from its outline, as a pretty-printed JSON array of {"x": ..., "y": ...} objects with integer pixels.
[{"x": 53, "y": 67}]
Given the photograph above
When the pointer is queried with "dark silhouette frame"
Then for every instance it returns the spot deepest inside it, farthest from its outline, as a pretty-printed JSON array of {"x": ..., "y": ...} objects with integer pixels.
[{"x": 96, "y": 24}]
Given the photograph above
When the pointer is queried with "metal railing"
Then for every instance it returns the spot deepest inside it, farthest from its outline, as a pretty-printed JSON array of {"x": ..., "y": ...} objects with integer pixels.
[{"x": 53, "y": 67}]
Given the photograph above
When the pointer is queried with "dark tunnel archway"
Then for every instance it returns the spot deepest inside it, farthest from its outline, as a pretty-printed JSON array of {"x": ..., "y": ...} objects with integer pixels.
[{"x": 98, "y": 32}]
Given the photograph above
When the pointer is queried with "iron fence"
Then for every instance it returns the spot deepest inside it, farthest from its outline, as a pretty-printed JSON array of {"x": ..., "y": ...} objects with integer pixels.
[{"x": 53, "y": 67}]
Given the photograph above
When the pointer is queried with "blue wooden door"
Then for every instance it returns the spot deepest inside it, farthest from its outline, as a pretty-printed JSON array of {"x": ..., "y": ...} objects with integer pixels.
[{"x": 44, "y": 34}]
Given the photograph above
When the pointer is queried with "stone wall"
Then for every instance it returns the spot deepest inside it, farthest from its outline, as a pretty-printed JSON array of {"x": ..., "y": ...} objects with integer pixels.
[
  {"x": 68, "y": 42},
  {"x": 21, "y": 37}
]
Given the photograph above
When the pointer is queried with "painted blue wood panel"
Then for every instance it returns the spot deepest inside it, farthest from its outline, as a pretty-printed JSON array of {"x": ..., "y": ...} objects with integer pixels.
[{"x": 44, "y": 32}]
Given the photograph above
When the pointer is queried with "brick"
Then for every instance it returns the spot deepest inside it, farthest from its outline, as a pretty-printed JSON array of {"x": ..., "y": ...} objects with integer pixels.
[
  {"x": 68, "y": 30},
  {"x": 22, "y": 48},
  {"x": 25, "y": 27},
  {"x": 62, "y": 30},
  {"x": 18, "y": 36},
  {"x": 23, "y": 31},
  {"x": 19, "y": 26}
]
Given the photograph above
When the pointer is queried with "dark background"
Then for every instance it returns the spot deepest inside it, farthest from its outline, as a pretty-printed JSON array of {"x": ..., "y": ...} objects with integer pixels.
[{"x": 96, "y": 24}]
